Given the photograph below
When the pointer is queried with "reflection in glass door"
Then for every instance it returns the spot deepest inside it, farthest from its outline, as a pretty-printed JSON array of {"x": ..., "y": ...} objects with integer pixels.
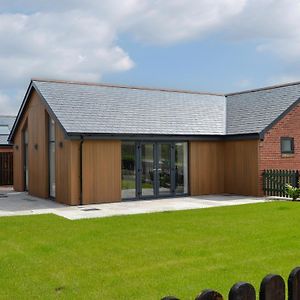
[
  {"x": 164, "y": 169},
  {"x": 148, "y": 175}
]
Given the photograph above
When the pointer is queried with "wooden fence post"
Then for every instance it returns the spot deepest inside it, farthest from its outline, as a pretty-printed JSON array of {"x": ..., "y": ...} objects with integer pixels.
[
  {"x": 294, "y": 284},
  {"x": 272, "y": 287},
  {"x": 209, "y": 295},
  {"x": 242, "y": 291}
]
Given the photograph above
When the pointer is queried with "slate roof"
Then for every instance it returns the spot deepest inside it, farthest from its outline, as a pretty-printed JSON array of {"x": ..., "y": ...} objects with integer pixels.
[
  {"x": 252, "y": 111},
  {"x": 86, "y": 108},
  {"x": 83, "y": 108},
  {"x": 9, "y": 121}
]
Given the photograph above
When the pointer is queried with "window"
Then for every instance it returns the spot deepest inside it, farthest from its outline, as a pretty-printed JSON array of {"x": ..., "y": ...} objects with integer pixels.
[
  {"x": 51, "y": 149},
  {"x": 4, "y": 129},
  {"x": 287, "y": 145}
]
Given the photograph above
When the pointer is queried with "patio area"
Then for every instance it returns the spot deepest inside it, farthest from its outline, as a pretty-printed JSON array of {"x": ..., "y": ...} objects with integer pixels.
[{"x": 18, "y": 204}]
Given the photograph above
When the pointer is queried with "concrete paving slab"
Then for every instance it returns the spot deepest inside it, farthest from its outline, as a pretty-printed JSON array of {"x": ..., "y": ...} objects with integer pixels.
[{"x": 20, "y": 204}]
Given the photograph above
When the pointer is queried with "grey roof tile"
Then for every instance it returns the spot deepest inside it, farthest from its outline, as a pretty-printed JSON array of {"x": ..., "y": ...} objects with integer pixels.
[
  {"x": 88, "y": 108},
  {"x": 9, "y": 121},
  {"x": 113, "y": 110},
  {"x": 253, "y": 111}
]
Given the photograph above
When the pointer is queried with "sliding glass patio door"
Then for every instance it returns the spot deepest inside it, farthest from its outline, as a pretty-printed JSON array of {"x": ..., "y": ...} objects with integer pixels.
[{"x": 154, "y": 169}]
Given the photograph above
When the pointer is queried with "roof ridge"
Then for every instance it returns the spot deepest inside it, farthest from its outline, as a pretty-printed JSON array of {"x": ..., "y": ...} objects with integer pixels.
[
  {"x": 270, "y": 87},
  {"x": 126, "y": 86}
]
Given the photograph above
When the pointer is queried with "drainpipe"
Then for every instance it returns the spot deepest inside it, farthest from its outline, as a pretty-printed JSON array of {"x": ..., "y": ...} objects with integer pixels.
[{"x": 80, "y": 169}]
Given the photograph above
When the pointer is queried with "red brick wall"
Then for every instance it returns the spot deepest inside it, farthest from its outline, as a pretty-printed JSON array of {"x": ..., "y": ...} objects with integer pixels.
[{"x": 270, "y": 156}]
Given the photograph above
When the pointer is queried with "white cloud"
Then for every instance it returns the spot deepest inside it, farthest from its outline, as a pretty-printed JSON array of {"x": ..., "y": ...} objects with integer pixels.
[
  {"x": 63, "y": 45},
  {"x": 79, "y": 39},
  {"x": 273, "y": 24},
  {"x": 170, "y": 21}
]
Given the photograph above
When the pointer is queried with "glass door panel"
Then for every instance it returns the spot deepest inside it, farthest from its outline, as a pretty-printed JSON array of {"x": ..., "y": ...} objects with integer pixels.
[
  {"x": 164, "y": 169},
  {"x": 181, "y": 168},
  {"x": 147, "y": 169},
  {"x": 160, "y": 170},
  {"x": 128, "y": 170}
]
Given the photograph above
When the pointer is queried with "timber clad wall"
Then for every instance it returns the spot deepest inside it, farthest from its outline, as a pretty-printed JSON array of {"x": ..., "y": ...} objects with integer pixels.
[
  {"x": 206, "y": 168},
  {"x": 67, "y": 170},
  {"x": 241, "y": 167},
  {"x": 101, "y": 161},
  {"x": 74, "y": 169},
  {"x": 224, "y": 167},
  {"x": 101, "y": 172},
  {"x": 18, "y": 162},
  {"x": 62, "y": 167},
  {"x": 67, "y": 157},
  {"x": 35, "y": 119},
  {"x": 38, "y": 148}
]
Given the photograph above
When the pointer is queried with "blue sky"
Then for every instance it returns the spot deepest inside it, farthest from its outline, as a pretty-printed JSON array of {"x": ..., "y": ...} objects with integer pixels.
[
  {"x": 203, "y": 45},
  {"x": 211, "y": 64}
]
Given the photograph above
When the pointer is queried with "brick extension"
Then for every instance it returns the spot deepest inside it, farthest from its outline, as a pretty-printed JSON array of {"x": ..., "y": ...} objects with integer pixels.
[{"x": 270, "y": 156}]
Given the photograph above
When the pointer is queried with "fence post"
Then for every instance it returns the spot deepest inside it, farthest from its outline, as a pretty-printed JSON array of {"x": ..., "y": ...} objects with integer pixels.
[
  {"x": 272, "y": 287},
  {"x": 209, "y": 295},
  {"x": 242, "y": 291},
  {"x": 294, "y": 284},
  {"x": 297, "y": 179}
]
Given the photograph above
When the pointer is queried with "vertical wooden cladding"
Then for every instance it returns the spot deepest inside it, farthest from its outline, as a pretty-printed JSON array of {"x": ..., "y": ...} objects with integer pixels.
[
  {"x": 62, "y": 167},
  {"x": 241, "y": 167},
  {"x": 206, "y": 168},
  {"x": 35, "y": 119},
  {"x": 67, "y": 175},
  {"x": 224, "y": 167},
  {"x": 101, "y": 173},
  {"x": 18, "y": 163},
  {"x": 37, "y": 148}
]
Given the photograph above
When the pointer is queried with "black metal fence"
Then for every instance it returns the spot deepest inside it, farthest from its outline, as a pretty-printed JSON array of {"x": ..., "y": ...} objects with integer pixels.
[
  {"x": 6, "y": 168},
  {"x": 274, "y": 181},
  {"x": 272, "y": 287}
]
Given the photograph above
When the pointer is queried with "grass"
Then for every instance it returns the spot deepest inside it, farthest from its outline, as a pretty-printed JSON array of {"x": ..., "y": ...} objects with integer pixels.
[{"x": 147, "y": 256}]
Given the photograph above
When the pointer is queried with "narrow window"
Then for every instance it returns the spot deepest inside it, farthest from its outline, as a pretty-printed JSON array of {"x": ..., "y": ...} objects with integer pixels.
[
  {"x": 287, "y": 145},
  {"x": 51, "y": 141},
  {"x": 26, "y": 159}
]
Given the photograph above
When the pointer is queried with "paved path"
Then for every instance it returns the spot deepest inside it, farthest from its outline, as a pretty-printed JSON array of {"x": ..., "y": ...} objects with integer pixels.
[{"x": 17, "y": 204}]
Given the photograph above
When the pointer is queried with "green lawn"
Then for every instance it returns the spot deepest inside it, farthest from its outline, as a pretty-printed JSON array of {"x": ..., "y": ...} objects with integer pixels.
[{"x": 147, "y": 256}]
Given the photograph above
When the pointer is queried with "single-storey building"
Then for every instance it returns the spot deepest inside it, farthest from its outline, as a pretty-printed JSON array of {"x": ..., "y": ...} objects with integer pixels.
[
  {"x": 6, "y": 150},
  {"x": 82, "y": 143}
]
